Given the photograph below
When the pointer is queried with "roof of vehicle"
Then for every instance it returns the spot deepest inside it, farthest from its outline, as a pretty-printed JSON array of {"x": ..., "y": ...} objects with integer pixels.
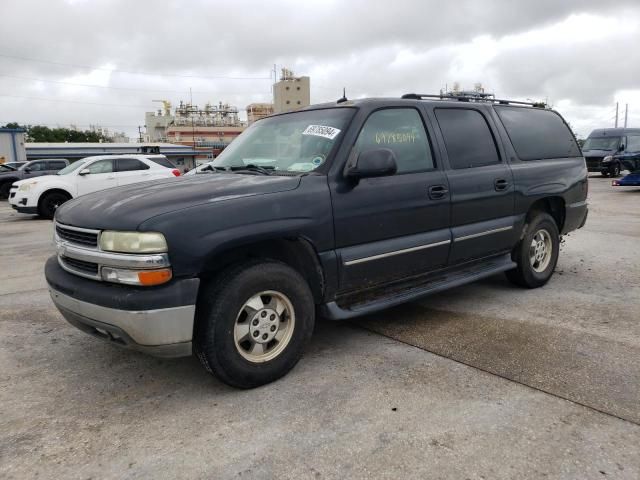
[
  {"x": 415, "y": 99},
  {"x": 140, "y": 156},
  {"x": 613, "y": 132}
]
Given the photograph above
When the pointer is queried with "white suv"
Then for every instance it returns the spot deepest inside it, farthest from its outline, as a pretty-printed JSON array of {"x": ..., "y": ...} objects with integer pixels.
[{"x": 43, "y": 195}]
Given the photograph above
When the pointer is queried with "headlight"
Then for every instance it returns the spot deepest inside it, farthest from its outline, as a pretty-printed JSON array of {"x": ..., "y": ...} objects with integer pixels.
[
  {"x": 25, "y": 187},
  {"x": 607, "y": 159},
  {"x": 133, "y": 242}
]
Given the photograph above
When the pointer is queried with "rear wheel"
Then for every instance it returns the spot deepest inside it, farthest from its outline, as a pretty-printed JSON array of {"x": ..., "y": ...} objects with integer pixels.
[
  {"x": 537, "y": 253},
  {"x": 253, "y": 323},
  {"x": 50, "y": 202}
]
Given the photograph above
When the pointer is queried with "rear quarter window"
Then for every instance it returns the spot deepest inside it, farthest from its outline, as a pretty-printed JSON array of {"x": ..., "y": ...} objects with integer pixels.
[{"x": 537, "y": 134}]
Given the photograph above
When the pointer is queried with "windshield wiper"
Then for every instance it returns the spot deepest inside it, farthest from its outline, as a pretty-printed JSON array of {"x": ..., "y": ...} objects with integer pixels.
[{"x": 253, "y": 168}]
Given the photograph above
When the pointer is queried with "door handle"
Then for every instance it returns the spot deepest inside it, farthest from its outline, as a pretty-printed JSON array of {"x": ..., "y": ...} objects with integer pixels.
[
  {"x": 437, "y": 191},
  {"x": 500, "y": 184}
]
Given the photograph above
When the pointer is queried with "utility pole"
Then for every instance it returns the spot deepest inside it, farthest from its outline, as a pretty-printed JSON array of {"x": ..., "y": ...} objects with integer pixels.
[
  {"x": 626, "y": 113},
  {"x": 139, "y": 134},
  {"x": 616, "y": 124}
]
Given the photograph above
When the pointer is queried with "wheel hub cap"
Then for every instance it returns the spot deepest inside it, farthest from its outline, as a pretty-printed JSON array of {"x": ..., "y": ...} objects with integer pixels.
[
  {"x": 540, "y": 250},
  {"x": 264, "y": 326}
]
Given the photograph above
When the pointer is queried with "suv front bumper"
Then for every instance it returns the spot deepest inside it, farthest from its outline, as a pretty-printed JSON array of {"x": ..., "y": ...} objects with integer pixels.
[{"x": 154, "y": 320}]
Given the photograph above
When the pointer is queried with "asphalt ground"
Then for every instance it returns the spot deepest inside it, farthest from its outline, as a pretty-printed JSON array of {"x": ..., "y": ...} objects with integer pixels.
[{"x": 486, "y": 381}]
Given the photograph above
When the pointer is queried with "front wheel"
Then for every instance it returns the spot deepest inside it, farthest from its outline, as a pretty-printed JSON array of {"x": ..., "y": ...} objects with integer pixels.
[
  {"x": 536, "y": 255},
  {"x": 253, "y": 322},
  {"x": 50, "y": 202},
  {"x": 615, "y": 171}
]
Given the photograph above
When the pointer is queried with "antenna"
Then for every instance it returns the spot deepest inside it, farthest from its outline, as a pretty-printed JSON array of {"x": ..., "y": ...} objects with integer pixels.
[{"x": 344, "y": 96}]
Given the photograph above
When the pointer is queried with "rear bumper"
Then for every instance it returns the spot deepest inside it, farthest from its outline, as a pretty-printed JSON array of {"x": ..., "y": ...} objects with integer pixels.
[
  {"x": 158, "y": 321},
  {"x": 575, "y": 216}
]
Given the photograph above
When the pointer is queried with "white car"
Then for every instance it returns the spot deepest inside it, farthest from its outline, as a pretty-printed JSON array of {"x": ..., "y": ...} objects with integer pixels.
[{"x": 43, "y": 195}]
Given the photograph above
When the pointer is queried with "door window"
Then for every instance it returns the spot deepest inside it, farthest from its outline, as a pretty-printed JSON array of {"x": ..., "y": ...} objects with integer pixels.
[
  {"x": 402, "y": 131},
  {"x": 101, "y": 166},
  {"x": 37, "y": 166},
  {"x": 633, "y": 143},
  {"x": 131, "y": 164},
  {"x": 467, "y": 137}
]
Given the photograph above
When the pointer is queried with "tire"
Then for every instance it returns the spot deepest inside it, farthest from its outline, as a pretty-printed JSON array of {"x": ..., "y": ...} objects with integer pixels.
[
  {"x": 535, "y": 272},
  {"x": 5, "y": 188},
  {"x": 225, "y": 330},
  {"x": 50, "y": 202},
  {"x": 605, "y": 173},
  {"x": 615, "y": 171}
]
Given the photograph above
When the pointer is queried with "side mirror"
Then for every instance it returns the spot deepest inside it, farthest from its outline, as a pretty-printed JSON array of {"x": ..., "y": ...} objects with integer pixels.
[
  {"x": 621, "y": 148},
  {"x": 27, "y": 170},
  {"x": 379, "y": 162},
  {"x": 84, "y": 171}
]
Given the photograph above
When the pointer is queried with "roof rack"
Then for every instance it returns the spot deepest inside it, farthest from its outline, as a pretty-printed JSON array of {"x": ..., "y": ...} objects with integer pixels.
[{"x": 472, "y": 97}]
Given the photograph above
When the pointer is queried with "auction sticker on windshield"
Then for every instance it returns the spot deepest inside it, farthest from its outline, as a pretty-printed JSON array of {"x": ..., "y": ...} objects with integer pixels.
[{"x": 322, "y": 131}]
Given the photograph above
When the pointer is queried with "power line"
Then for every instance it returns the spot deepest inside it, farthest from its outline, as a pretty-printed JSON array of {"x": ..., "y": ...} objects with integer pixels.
[
  {"x": 74, "y": 101},
  {"x": 49, "y": 62},
  {"x": 114, "y": 88}
]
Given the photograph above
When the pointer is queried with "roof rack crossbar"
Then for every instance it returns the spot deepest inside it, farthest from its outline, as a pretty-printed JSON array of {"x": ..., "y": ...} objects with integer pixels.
[{"x": 466, "y": 98}]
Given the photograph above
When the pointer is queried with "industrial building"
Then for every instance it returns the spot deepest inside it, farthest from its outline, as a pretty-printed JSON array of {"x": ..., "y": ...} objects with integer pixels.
[
  {"x": 181, "y": 156},
  {"x": 211, "y": 129},
  {"x": 291, "y": 92},
  {"x": 12, "y": 145}
]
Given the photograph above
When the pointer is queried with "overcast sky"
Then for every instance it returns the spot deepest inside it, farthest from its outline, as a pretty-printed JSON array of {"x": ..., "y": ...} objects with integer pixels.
[{"x": 103, "y": 61}]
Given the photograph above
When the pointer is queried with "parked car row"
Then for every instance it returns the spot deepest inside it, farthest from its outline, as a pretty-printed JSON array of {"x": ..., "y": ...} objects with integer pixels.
[{"x": 54, "y": 186}]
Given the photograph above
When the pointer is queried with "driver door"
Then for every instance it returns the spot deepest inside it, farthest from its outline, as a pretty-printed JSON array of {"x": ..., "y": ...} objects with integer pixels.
[
  {"x": 394, "y": 226},
  {"x": 100, "y": 176}
]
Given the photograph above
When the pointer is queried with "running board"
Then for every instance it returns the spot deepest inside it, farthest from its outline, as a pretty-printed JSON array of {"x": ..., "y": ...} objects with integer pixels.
[{"x": 455, "y": 278}]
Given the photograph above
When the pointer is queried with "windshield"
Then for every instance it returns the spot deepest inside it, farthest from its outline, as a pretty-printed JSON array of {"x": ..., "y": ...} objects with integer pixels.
[
  {"x": 6, "y": 168},
  {"x": 601, "y": 143},
  {"x": 295, "y": 142},
  {"x": 71, "y": 167}
]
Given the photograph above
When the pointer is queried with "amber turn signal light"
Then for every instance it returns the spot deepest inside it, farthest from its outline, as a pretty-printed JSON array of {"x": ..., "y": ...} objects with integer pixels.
[{"x": 154, "y": 277}]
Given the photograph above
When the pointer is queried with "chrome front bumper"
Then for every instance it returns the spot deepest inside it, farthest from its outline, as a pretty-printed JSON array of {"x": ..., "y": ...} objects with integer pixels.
[{"x": 165, "y": 332}]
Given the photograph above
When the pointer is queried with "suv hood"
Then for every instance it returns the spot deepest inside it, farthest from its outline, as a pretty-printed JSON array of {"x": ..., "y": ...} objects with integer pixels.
[
  {"x": 597, "y": 153},
  {"x": 125, "y": 208}
]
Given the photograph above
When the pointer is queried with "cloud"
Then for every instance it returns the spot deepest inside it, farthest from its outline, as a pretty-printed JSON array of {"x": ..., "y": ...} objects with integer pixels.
[{"x": 581, "y": 54}]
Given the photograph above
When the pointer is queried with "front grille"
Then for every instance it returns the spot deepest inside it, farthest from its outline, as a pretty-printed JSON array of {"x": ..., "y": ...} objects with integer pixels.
[
  {"x": 593, "y": 162},
  {"x": 80, "y": 265},
  {"x": 80, "y": 237}
]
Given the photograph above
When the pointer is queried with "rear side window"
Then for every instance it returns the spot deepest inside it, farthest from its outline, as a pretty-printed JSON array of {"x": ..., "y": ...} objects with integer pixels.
[
  {"x": 633, "y": 143},
  {"x": 537, "y": 134},
  {"x": 467, "y": 137},
  {"x": 56, "y": 165},
  {"x": 161, "y": 161},
  {"x": 402, "y": 131},
  {"x": 131, "y": 164}
]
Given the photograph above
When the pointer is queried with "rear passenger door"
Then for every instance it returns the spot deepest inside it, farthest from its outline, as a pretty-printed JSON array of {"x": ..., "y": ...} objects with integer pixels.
[
  {"x": 480, "y": 181},
  {"x": 398, "y": 225},
  {"x": 131, "y": 170}
]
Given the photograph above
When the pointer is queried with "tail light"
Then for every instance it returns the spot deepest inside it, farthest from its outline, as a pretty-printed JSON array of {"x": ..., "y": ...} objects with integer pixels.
[{"x": 176, "y": 172}]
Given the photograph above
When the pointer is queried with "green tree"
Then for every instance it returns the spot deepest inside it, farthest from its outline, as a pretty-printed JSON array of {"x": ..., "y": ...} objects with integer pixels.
[{"x": 42, "y": 134}]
